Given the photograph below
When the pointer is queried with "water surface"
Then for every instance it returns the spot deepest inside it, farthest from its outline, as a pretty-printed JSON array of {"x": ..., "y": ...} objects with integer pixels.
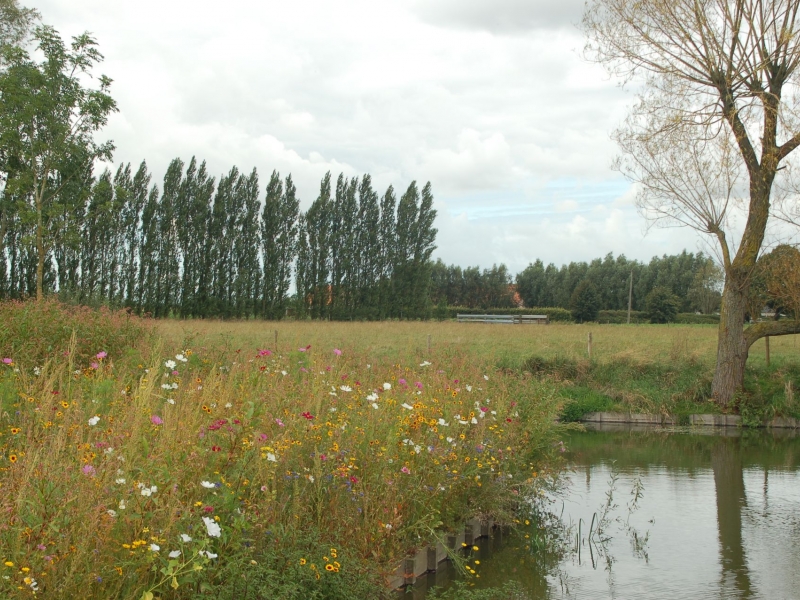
[{"x": 719, "y": 517}]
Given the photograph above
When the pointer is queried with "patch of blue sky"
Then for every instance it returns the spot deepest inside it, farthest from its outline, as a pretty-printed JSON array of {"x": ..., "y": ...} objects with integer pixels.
[{"x": 557, "y": 199}]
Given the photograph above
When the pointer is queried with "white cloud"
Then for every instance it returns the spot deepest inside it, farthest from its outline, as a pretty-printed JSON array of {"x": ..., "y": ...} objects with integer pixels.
[{"x": 491, "y": 102}]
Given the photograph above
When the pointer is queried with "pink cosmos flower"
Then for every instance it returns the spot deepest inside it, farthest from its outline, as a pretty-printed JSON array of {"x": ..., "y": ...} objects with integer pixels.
[
  {"x": 264, "y": 352},
  {"x": 101, "y": 355},
  {"x": 88, "y": 470},
  {"x": 7, "y": 361},
  {"x": 418, "y": 384},
  {"x": 337, "y": 352},
  {"x": 279, "y": 422},
  {"x": 94, "y": 365},
  {"x": 405, "y": 470},
  {"x": 156, "y": 420}
]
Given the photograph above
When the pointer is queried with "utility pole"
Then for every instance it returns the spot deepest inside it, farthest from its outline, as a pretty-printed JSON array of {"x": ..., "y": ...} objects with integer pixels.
[{"x": 630, "y": 299}]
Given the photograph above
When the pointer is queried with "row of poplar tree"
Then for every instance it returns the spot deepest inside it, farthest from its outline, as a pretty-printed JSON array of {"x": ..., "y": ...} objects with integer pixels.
[{"x": 199, "y": 247}]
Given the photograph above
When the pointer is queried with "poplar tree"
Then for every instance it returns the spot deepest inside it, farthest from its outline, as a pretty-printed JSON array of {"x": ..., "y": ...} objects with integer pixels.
[
  {"x": 387, "y": 242},
  {"x": 279, "y": 243}
]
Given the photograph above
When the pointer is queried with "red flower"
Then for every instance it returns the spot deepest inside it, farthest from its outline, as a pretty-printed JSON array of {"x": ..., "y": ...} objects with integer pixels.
[
  {"x": 208, "y": 509},
  {"x": 215, "y": 448},
  {"x": 308, "y": 415}
]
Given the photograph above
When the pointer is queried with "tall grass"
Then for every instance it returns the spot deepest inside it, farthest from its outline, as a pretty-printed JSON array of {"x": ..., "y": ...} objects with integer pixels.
[{"x": 232, "y": 469}]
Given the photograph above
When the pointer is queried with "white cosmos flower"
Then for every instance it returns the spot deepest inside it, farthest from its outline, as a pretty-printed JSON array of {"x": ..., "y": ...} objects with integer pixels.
[
  {"x": 284, "y": 373},
  {"x": 407, "y": 406},
  {"x": 185, "y": 538},
  {"x": 175, "y": 554},
  {"x": 387, "y": 386},
  {"x": 271, "y": 457},
  {"x": 486, "y": 377},
  {"x": 170, "y": 364},
  {"x": 375, "y": 405},
  {"x": 424, "y": 363},
  {"x": 444, "y": 423},
  {"x": 372, "y": 397},
  {"x": 208, "y": 484},
  {"x": 469, "y": 388},
  {"x": 122, "y": 504},
  {"x": 174, "y": 386},
  {"x": 119, "y": 480},
  {"x": 181, "y": 357},
  {"x": 166, "y": 386},
  {"x": 94, "y": 420},
  {"x": 474, "y": 420},
  {"x": 450, "y": 440},
  {"x": 111, "y": 512},
  {"x": 346, "y": 388},
  {"x": 207, "y": 554},
  {"x": 171, "y": 400},
  {"x": 213, "y": 528},
  {"x": 155, "y": 547}
]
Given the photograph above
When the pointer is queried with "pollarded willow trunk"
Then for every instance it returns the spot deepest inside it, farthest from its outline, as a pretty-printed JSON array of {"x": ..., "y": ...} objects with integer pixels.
[{"x": 732, "y": 346}]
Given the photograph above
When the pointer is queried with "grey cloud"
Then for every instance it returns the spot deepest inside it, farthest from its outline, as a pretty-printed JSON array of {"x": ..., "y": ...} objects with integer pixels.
[{"x": 501, "y": 16}]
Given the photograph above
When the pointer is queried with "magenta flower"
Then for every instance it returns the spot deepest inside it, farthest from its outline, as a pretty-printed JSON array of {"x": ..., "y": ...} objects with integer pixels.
[
  {"x": 94, "y": 365},
  {"x": 264, "y": 352},
  {"x": 88, "y": 470},
  {"x": 418, "y": 384},
  {"x": 101, "y": 355},
  {"x": 405, "y": 470},
  {"x": 337, "y": 352},
  {"x": 279, "y": 422},
  {"x": 402, "y": 381},
  {"x": 156, "y": 420},
  {"x": 7, "y": 361}
]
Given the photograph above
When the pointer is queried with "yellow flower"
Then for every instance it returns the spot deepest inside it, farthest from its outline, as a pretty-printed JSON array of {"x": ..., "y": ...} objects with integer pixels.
[
  {"x": 302, "y": 561},
  {"x": 329, "y": 567},
  {"x": 25, "y": 569},
  {"x": 8, "y": 563},
  {"x": 15, "y": 430},
  {"x": 475, "y": 548}
]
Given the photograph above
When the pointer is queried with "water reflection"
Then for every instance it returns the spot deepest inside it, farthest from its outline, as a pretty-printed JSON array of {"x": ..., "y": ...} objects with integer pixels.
[
  {"x": 718, "y": 506},
  {"x": 726, "y": 461}
]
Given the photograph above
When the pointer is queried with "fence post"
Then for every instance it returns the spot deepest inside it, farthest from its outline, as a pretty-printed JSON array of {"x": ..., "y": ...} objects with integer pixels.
[
  {"x": 429, "y": 344},
  {"x": 276, "y": 340},
  {"x": 766, "y": 341},
  {"x": 590, "y": 345}
]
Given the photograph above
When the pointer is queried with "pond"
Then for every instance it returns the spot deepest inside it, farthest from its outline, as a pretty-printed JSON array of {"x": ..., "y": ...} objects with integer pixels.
[{"x": 692, "y": 514}]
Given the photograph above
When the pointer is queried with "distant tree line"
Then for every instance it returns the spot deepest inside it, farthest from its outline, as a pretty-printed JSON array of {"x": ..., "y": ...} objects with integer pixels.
[
  {"x": 199, "y": 247},
  {"x": 694, "y": 280}
]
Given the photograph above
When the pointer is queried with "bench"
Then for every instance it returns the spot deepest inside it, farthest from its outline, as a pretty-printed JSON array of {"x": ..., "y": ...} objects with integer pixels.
[{"x": 507, "y": 319}]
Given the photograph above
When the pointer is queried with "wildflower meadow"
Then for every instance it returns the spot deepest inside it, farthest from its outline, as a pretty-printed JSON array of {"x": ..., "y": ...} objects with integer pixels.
[{"x": 137, "y": 470}]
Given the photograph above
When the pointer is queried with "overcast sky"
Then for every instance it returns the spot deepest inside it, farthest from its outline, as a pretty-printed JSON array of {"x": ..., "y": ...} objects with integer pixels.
[{"x": 489, "y": 100}]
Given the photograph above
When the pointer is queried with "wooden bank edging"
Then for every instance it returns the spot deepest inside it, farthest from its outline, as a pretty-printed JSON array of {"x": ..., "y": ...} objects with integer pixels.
[
  {"x": 701, "y": 420},
  {"x": 427, "y": 559}
]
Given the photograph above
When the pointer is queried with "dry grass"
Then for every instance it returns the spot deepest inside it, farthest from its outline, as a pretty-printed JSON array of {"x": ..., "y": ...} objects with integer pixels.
[{"x": 493, "y": 344}]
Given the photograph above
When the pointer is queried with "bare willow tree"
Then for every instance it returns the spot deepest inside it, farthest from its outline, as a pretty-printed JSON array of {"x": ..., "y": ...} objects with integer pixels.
[{"x": 714, "y": 124}]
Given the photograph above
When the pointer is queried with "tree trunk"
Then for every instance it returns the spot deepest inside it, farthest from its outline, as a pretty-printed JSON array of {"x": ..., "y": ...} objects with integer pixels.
[
  {"x": 732, "y": 347},
  {"x": 40, "y": 252}
]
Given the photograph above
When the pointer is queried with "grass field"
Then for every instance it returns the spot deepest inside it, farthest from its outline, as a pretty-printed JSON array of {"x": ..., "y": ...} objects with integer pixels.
[
  {"x": 634, "y": 368},
  {"x": 501, "y": 345}
]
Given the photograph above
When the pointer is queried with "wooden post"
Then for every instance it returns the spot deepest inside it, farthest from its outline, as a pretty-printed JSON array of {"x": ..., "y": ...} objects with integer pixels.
[
  {"x": 276, "y": 340},
  {"x": 429, "y": 344},
  {"x": 766, "y": 341},
  {"x": 590, "y": 345}
]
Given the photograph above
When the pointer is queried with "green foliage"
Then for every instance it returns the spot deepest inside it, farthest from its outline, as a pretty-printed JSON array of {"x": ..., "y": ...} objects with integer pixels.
[
  {"x": 33, "y": 332},
  {"x": 661, "y": 305},
  {"x": 584, "y": 304},
  {"x": 48, "y": 123}
]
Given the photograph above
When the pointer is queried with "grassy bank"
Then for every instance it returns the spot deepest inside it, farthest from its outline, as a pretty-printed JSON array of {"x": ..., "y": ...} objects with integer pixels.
[{"x": 185, "y": 460}]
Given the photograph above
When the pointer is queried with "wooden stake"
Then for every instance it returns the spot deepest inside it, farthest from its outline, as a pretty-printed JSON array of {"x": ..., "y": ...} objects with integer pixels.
[
  {"x": 276, "y": 340},
  {"x": 590, "y": 345},
  {"x": 429, "y": 343},
  {"x": 766, "y": 341}
]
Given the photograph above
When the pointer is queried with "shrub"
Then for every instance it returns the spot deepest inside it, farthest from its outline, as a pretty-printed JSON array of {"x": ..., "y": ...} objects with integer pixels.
[
  {"x": 661, "y": 305},
  {"x": 31, "y": 332},
  {"x": 584, "y": 303}
]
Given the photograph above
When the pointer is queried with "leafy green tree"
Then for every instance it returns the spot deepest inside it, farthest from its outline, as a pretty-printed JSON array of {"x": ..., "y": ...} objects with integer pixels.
[
  {"x": 279, "y": 244},
  {"x": 387, "y": 242},
  {"x": 15, "y": 23},
  {"x": 367, "y": 251},
  {"x": 661, "y": 305},
  {"x": 48, "y": 122},
  {"x": 584, "y": 302}
]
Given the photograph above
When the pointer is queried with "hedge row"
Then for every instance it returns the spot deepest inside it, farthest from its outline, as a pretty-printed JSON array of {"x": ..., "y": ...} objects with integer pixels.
[{"x": 564, "y": 316}]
